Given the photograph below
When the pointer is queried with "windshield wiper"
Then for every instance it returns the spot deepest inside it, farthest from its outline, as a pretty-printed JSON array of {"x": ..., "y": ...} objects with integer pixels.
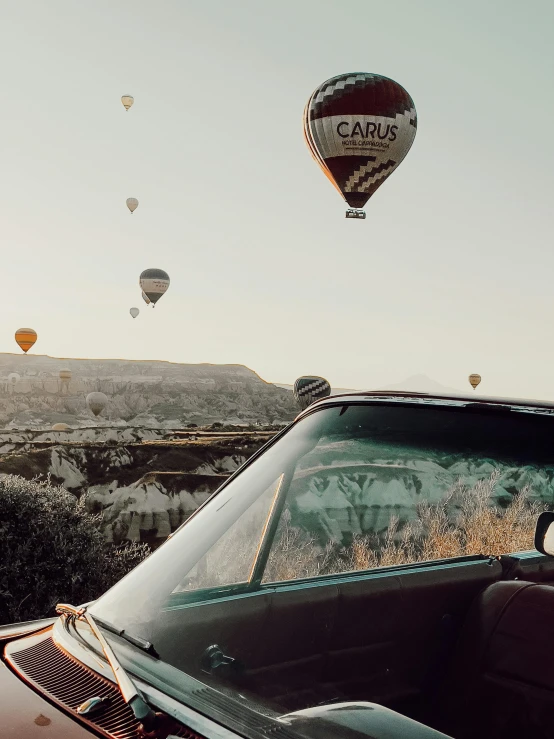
[
  {"x": 136, "y": 641},
  {"x": 131, "y": 694}
]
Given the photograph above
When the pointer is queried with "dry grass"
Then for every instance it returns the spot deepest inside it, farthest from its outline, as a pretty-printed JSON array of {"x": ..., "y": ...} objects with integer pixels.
[{"x": 465, "y": 522}]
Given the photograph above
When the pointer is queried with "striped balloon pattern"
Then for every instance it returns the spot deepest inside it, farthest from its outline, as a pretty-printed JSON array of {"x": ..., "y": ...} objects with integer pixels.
[
  {"x": 359, "y": 127},
  {"x": 309, "y": 389},
  {"x": 154, "y": 283},
  {"x": 474, "y": 380},
  {"x": 25, "y": 337}
]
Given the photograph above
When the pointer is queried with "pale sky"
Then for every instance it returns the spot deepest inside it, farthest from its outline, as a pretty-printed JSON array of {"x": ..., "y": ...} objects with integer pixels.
[{"x": 452, "y": 272}]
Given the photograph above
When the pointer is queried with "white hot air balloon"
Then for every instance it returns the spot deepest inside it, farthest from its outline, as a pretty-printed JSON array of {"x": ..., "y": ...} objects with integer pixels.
[
  {"x": 134, "y": 312},
  {"x": 96, "y": 402},
  {"x": 127, "y": 101},
  {"x": 132, "y": 204},
  {"x": 13, "y": 377}
]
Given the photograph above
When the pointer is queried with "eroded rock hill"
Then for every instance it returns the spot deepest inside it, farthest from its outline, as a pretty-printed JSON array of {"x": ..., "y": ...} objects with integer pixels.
[
  {"x": 143, "y": 489},
  {"x": 140, "y": 393}
]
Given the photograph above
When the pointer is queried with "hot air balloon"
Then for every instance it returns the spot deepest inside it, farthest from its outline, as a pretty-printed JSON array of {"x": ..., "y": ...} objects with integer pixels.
[
  {"x": 25, "y": 337},
  {"x": 359, "y": 127},
  {"x": 65, "y": 379},
  {"x": 13, "y": 377},
  {"x": 127, "y": 101},
  {"x": 474, "y": 380},
  {"x": 132, "y": 204},
  {"x": 97, "y": 402},
  {"x": 134, "y": 312},
  {"x": 154, "y": 283},
  {"x": 61, "y": 427},
  {"x": 145, "y": 298},
  {"x": 309, "y": 389}
]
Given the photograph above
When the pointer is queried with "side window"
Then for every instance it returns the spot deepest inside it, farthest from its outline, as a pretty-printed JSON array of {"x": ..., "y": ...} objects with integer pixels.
[
  {"x": 355, "y": 505},
  {"x": 231, "y": 559}
]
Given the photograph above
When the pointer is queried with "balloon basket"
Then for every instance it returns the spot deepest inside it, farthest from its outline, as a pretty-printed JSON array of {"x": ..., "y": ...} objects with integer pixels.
[{"x": 355, "y": 213}]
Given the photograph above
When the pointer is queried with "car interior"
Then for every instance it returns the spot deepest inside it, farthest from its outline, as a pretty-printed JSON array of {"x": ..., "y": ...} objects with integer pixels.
[{"x": 460, "y": 646}]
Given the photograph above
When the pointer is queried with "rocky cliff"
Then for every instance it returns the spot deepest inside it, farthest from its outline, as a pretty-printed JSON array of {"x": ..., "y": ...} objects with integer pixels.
[
  {"x": 144, "y": 489},
  {"x": 141, "y": 393}
]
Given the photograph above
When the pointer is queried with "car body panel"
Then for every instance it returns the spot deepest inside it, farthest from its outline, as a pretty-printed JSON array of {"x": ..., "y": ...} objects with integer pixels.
[{"x": 25, "y": 715}]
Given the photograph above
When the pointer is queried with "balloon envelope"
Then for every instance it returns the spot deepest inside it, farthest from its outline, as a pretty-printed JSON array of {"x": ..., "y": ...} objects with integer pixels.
[
  {"x": 359, "y": 127},
  {"x": 97, "y": 402},
  {"x": 132, "y": 204},
  {"x": 154, "y": 283},
  {"x": 308, "y": 389},
  {"x": 25, "y": 337},
  {"x": 127, "y": 101},
  {"x": 134, "y": 312},
  {"x": 474, "y": 380}
]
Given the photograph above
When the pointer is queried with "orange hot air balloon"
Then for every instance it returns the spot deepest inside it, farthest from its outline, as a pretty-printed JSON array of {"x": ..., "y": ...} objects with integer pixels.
[{"x": 25, "y": 337}]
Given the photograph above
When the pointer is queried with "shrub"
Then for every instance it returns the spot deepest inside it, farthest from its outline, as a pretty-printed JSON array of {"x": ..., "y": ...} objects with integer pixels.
[{"x": 52, "y": 550}]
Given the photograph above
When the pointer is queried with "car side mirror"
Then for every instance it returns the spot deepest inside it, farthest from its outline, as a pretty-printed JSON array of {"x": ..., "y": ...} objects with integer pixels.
[{"x": 544, "y": 533}]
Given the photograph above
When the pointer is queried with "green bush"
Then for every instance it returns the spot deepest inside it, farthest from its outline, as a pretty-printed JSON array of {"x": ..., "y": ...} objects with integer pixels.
[{"x": 52, "y": 550}]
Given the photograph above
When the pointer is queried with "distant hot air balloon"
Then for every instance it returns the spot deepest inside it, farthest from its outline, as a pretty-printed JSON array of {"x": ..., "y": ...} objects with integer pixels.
[
  {"x": 154, "y": 283},
  {"x": 359, "y": 127},
  {"x": 13, "y": 377},
  {"x": 127, "y": 101},
  {"x": 132, "y": 204},
  {"x": 474, "y": 380},
  {"x": 25, "y": 337},
  {"x": 146, "y": 298},
  {"x": 97, "y": 402},
  {"x": 134, "y": 312},
  {"x": 65, "y": 379},
  {"x": 309, "y": 389}
]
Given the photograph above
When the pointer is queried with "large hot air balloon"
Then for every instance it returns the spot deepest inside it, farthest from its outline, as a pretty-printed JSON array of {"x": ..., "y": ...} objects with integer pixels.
[
  {"x": 127, "y": 101},
  {"x": 309, "y": 389},
  {"x": 97, "y": 402},
  {"x": 25, "y": 337},
  {"x": 154, "y": 283},
  {"x": 359, "y": 127},
  {"x": 13, "y": 377},
  {"x": 474, "y": 380},
  {"x": 146, "y": 298},
  {"x": 134, "y": 312},
  {"x": 132, "y": 204}
]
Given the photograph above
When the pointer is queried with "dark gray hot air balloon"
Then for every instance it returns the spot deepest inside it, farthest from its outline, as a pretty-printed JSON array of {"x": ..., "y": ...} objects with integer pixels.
[
  {"x": 96, "y": 402},
  {"x": 308, "y": 389},
  {"x": 154, "y": 283}
]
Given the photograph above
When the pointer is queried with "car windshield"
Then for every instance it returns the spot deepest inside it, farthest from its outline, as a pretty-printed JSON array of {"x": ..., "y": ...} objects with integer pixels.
[{"x": 347, "y": 489}]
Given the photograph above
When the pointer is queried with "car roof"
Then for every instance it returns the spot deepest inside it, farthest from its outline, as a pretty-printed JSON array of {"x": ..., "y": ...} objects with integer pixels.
[{"x": 438, "y": 399}]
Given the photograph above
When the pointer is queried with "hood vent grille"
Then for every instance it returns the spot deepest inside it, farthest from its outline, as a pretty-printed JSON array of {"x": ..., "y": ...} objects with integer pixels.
[{"x": 69, "y": 683}]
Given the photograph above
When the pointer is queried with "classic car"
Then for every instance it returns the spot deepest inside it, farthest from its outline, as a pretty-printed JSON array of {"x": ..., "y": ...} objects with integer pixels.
[{"x": 273, "y": 612}]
